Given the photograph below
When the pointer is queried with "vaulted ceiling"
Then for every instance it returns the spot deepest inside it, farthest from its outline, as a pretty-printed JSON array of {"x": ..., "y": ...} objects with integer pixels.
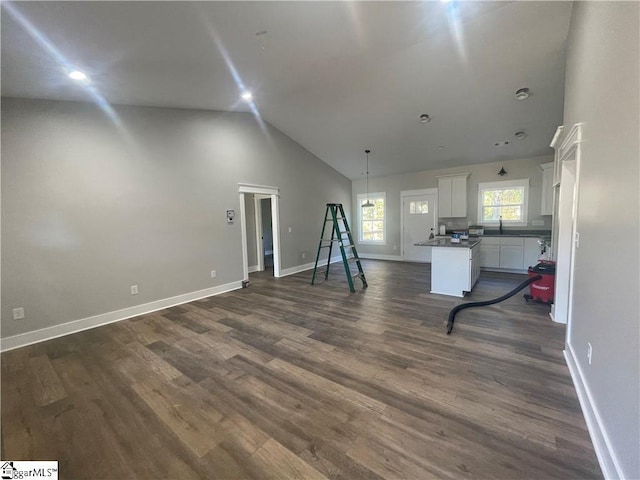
[{"x": 337, "y": 77}]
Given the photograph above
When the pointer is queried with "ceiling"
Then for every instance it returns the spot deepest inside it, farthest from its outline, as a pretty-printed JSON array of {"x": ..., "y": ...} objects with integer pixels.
[{"x": 337, "y": 77}]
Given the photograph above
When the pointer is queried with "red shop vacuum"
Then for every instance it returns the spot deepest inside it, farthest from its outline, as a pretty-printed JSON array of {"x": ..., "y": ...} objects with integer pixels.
[{"x": 542, "y": 290}]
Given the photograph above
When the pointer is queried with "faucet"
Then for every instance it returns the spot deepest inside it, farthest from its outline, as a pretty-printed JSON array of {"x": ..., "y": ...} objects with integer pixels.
[{"x": 500, "y": 224}]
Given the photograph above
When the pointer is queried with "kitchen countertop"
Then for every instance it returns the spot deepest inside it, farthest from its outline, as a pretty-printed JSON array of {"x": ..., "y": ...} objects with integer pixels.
[{"x": 446, "y": 242}]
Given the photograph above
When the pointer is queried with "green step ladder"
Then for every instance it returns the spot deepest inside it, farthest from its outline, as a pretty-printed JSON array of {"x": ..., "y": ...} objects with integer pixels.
[{"x": 335, "y": 214}]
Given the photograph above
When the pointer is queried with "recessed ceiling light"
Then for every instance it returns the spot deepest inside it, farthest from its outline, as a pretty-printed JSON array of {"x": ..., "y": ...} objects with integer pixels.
[
  {"x": 246, "y": 96},
  {"x": 522, "y": 93},
  {"x": 440, "y": 147},
  {"x": 77, "y": 75},
  {"x": 424, "y": 118},
  {"x": 521, "y": 135}
]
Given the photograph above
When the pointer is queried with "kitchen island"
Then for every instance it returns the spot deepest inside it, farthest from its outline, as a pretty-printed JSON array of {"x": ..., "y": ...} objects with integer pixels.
[{"x": 455, "y": 267}]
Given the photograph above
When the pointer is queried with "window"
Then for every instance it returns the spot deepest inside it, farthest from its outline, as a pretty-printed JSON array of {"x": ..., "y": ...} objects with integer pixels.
[
  {"x": 372, "y": 219},
  {"x": 507, "y": 199},
  {"x": 419, "y": 208}
]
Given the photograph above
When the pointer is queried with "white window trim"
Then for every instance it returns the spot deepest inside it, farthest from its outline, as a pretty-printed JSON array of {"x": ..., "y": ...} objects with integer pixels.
[
  {"x": 524, "y": 182},
  {"x": 364, "y": 196}
]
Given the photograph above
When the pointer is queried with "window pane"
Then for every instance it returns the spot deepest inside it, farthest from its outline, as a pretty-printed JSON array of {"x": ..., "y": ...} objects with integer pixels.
[
  {"x": 491, "y": 213},
  {"x": 492, "y": 197},
  {"x": 511, "y": 213},
  {"x": 512, "y": 196},
  {"x": 372, "y": 219},
  {"x": 412, "y": 208}
]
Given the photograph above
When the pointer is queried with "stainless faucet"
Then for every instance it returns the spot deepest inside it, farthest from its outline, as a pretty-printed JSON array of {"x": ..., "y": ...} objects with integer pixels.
[{"x": 500, "y": 224}]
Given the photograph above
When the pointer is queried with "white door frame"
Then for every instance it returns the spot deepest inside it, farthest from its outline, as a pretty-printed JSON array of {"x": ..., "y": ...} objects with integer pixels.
[
  {"x": 274, "y": 194},
  {"x": 414, "y": 193},
  {"x": 257, "y": 202},
  {"x": 569, "y": 156}
]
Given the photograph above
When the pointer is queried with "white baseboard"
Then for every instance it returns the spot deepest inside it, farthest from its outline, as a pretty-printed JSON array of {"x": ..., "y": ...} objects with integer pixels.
[
  {"x": 375, "y": 256},
  {"x": 55, "y": 331},
  {"x": 253, "y": 268},
  {"x": 607, "y": 458},
  {"x": 308, "y": 266}
]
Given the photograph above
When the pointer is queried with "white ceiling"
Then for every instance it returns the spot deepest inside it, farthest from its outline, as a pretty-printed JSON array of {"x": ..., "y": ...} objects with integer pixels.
[{"x": 337, "y": 77}]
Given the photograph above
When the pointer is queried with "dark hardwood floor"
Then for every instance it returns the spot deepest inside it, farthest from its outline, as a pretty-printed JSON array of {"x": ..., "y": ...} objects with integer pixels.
[{"x": 288, "y": 380}]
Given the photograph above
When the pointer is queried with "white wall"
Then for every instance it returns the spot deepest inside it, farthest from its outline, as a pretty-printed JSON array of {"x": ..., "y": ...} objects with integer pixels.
[
  {"x": 392, "y": 185},
  {"x": 602, "y": 91},
  {"x": 87, "y": 211}
]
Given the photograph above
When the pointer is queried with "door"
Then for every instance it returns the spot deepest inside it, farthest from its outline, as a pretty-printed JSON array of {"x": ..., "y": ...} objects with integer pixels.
[
  {"x": 267, "y": 233},
  {"x": 418, "y": 218}
]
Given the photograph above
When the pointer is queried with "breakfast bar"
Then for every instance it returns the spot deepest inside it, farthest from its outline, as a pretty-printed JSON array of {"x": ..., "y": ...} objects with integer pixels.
[{"x": 455, "y": 266}]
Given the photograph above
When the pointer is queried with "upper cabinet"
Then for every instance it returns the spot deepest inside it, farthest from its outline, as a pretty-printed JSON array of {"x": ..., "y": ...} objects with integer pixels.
[
  {"x": 547, "y": 188},
  {"x": 452, "y": 195}
]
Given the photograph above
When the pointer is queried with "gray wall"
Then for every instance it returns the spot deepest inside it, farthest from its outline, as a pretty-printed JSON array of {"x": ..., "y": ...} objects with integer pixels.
[
  {"x": 89, "y": 209},
  {"x": 392, "y": 185},
  {"x": 602, "y": 91}
]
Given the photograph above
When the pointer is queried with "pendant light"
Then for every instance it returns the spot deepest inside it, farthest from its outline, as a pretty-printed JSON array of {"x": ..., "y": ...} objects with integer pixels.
[{"x": 368, "y": 204}]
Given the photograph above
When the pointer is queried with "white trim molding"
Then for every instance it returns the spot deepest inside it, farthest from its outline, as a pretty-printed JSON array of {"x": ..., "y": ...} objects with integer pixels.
[
  {"x": 274, "y": 194},
  {"x": 415, "y": 193},
  {"x": 570, "y": 141},
  {"x": 261, "y": 189},
  {"x": 55, "y": 331},
  {"x": 376, "y": 256},
  {"x": 309, "y": 266},
  {"x": 607, "y": 458}
]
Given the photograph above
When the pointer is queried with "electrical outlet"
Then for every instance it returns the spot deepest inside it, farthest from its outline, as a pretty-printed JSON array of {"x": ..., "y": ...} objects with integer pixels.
[
  {"x": 18, "y": 313},
  {"x": 213, "y": 274},
  {"x": 537, "y": 223},
  {"x": 395, "y": 247},
  {"x": 304, "y": 255},
  {"x": 134, "y": 289},
  {"x": 589, "y": 352},
  {"x": 290, "y": 229}
]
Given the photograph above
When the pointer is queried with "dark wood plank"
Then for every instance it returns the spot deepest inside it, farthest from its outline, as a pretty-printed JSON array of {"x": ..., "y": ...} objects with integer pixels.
[{"x": 289, "y": 380}]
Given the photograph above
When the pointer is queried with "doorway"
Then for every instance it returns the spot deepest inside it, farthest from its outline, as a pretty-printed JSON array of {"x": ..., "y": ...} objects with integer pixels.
[
  {"x": 419, "y": 219},
  {"x": 264, "y": 232},
  {"x": 568, "y": 240},
  {"x": 272, "y": 195}
]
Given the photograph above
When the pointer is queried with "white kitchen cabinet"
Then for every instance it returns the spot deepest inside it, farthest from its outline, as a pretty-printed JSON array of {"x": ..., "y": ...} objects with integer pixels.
[
  {"x": 511, "y": 257},
  {"x": 512, "y": 253},
  {"x": 503, "y": 253},
  {"x": 531, "y": 252},
  {"x": 454, "y": 269},
  {"x": 547, "y": 188},
  {"x": 452, "y": 195},
  {"x": 474, "y": 270},
  {"x": 490, "y": 252}
]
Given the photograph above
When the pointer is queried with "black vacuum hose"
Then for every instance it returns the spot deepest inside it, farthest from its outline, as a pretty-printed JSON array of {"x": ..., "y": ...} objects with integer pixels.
[{"x": 462, "y": 306}]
